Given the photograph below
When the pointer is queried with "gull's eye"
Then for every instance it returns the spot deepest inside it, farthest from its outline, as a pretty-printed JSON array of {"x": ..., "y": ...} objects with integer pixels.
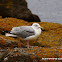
[{"x": 36, "y": 25}]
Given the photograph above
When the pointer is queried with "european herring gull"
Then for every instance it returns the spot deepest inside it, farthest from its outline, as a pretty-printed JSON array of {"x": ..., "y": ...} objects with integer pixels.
[{"x": 26, "y": 32}]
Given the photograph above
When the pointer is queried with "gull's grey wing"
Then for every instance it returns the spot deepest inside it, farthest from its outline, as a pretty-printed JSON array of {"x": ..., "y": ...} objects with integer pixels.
[{"x": 23, "y": 31}]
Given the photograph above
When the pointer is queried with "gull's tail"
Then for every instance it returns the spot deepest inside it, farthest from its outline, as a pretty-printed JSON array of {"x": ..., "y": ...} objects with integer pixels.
[{"x": 10, "y": 35}]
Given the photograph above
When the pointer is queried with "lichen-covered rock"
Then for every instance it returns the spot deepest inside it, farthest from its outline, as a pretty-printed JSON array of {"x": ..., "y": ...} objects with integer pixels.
[
  {"x": 48, "y": 45},
  {"x": 33, "y": 54},
  {"x": 17, "y": 9},
  {"x": 7, "y": 24},
  {"x": 52, "y": 36}
]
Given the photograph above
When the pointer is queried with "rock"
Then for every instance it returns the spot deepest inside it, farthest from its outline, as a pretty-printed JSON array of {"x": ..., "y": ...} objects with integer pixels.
[
  {"x": 51, "y": 36},
  {"x": 6, "y": 42},
  {"x": 3, "y": 53},
  {"x": 7, "y": 24},
  {"x": 34, "y": 54},
  {"x": 17, "y": 9},
  {"x": 14, "y": 49},
  {"x": 36, "y": 18}
]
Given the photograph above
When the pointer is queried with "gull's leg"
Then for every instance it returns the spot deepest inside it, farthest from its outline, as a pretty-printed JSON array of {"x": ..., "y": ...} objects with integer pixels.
[{"x": 28, "y": 44}]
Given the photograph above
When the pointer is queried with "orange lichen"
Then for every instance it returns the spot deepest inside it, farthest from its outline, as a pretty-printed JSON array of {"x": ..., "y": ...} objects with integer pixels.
[
  {"x": 32, "y": 56},
  {"x": 9, "y": 23},
  {"x": 3, "y": 41},
  {"x": 50, "y": 38},
  {"x": 16, "y": 53},
  {"x": 47, "y": 52},
  {"x": 19, "y": 45}
]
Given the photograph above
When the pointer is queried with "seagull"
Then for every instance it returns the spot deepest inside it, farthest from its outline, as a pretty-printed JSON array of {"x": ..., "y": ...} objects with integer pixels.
[{"x": 26, "y": 33}]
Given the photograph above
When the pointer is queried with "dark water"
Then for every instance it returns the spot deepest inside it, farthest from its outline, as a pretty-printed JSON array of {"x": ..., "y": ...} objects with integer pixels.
[{"x": 47, "y": 10}]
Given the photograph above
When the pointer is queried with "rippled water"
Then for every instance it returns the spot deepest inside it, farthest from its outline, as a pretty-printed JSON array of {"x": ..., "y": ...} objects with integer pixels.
[{"x": 47, "y": 10}]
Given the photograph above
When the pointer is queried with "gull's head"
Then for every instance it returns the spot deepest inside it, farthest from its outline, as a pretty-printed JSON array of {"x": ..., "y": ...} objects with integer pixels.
[{"x": 37, "y": 26}]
